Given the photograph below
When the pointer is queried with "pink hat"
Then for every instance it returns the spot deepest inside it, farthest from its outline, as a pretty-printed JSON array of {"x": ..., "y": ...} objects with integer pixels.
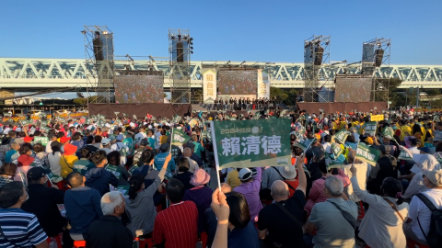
[{"x": 200, "y": 177}]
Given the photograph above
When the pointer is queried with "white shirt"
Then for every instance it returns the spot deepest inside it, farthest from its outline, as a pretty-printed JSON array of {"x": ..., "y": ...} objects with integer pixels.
[{"x": 418, "y": 209}]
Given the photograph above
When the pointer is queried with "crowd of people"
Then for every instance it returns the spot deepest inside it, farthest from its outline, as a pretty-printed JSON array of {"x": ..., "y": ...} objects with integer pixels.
[
  {"x": 244, "y": 103},
  {"x": 112, "y": 182}
]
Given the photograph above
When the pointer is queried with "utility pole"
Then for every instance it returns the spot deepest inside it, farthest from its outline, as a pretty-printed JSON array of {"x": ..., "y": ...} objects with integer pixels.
[{"x": 417, "y": 98}]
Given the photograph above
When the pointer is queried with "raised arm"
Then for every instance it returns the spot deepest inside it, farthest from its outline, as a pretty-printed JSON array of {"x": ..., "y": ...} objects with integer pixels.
[
  {"x": 165, "y": 165},
  {"x": 361, "y": 194},
  {"x": 301, "y": 174}
]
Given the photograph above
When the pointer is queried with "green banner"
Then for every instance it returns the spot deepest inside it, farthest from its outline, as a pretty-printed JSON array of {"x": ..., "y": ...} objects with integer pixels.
[
  {"x": 253, "y": 143},
  {"x": 367, "y": 154},
  {"x": 341, "y": 136},
  {"x": 403, "y": 155},
  {"x": 370, "y": 128},
  {"x": 179, "y": 137},
  {"x": 42, "y": 140}
]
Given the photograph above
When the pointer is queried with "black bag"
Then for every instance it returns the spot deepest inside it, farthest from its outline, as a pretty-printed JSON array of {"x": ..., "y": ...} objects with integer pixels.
[{"x": 434, "y": 237}]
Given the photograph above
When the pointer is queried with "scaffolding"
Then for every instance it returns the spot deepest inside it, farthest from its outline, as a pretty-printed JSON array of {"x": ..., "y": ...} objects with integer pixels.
[
  {"x": 180, "y": 49},
  {"x": 99, "y": 54},
  {"x": 376, "y": 53},
  {"x": 316, "y": 56}
]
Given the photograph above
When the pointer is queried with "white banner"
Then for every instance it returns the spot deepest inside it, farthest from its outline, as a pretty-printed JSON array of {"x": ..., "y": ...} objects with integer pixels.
[
  {"x": 209, "y": 85},
  {"x": 263, "y": 84}
]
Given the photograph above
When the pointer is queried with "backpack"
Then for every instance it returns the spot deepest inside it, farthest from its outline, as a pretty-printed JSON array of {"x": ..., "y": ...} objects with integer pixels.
[{"x": 434, "y": 237}]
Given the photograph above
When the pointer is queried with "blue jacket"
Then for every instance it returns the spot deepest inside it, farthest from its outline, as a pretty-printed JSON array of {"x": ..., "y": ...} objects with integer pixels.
[
  {"x": 82, "y": 208},
  {"x": 99, "y": 179}
]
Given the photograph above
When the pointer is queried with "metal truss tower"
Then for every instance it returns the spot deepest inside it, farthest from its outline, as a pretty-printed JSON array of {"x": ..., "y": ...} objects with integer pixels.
[
  {"x": 99, "y": 52},
  {"x": 180, "y": 49},
  {"x": 375, "y": 53},
  {"x": 316, "y": 56}
]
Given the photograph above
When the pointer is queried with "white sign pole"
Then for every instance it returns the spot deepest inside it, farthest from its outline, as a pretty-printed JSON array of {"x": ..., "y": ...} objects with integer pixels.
[{"x": 215, "y": 153}]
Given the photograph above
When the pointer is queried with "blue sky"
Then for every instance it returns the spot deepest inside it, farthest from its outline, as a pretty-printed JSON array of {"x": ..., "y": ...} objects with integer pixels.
[{"x": 237, "y": 30}]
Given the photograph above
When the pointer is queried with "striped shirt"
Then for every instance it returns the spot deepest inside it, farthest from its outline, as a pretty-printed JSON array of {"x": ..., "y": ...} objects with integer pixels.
[
  {"x": 177, "y": 226},
  {"x": 21, "y": 229}
]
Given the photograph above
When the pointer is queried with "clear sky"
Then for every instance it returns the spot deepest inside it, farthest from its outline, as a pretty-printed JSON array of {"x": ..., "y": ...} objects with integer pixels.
[{"x": 237, "y": 30}]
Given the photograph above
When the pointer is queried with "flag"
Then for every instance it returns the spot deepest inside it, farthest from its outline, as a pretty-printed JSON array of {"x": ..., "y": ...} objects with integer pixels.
[
  {"x": 388, "y": 133},
  {"x": 341, "y": 136},
  {"x": 368, "y": 154},
  {"x": 252, "y": 143},
  {"x": 179, "y": 137}
]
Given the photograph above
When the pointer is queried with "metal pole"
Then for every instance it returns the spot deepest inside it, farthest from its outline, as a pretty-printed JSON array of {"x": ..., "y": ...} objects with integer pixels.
[{"x": 417, "y": 98}]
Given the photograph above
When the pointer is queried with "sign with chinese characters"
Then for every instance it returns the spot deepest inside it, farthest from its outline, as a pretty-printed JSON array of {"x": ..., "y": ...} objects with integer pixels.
[
  {"x": 209, "y": 85},
  {"x": 368, "y": 154},
  {"x": 253, "y": 143},
  {"x": 370, "y": 128},
  {"x": 179, "y": 137}
]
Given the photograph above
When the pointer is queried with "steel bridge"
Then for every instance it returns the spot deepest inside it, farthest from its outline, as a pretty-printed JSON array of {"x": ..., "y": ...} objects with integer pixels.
[{"x": 36, "y": 74}]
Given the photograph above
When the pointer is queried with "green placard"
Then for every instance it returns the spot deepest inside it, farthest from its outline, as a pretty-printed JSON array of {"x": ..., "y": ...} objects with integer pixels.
[
  {"x": 370, "y": 128},
  {"x": 253, "y": 143},
  {"x": 367, "y": 154},
  {"x": 42, "y": 140},
  {"x": 179, "y": 137}
]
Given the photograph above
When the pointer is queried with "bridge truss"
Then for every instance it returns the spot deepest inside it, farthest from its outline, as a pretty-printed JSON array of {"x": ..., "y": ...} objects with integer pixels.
[{"x": 35, "y": 74}]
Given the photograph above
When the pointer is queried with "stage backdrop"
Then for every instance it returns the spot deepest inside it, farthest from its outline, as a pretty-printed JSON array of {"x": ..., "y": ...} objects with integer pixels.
[
  {"x": 237, "y": 83},
  {"x": 159, "y": 110},
  {"x": 209, "y": 85},
  {"x": 353, "y": 88},
  {"x": 139, "y": 87}
]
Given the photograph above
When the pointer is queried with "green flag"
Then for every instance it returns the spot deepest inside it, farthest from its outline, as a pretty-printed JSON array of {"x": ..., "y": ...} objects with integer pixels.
[
  {"x": 341, "y": 136},
  {"x": 388, "y": 133},
  {"x": 368, "y": 154},
  {"x": 252, "y": 143},
  {"x": 179, "y": 137}
]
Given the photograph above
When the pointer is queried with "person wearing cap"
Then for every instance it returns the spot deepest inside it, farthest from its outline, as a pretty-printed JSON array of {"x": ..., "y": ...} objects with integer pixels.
[
  {"x": 106, "y": 143},
  {"x": 422, "y": 162},
  {"x": 270, "y": 175},
  {"x": 68, "y": 158},
  {"x": 19, "y": 228},
  {"x": 43, "y": 202},
  {"x": 419, "y": 215},
  {"x": 280, "y": 223},
  {"x": 382, "y": 224},
  {"x": 25, "y": 160},
  {"x": 141, "y": 134},
  {"x": 200, "y": 194},
  {"x": 250, "y": 188}
]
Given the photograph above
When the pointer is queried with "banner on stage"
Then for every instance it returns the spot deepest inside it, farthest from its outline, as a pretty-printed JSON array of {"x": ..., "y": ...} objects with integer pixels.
[
  {"x": 209, "y": 85},
  {"x": 252, "y": 143}
]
